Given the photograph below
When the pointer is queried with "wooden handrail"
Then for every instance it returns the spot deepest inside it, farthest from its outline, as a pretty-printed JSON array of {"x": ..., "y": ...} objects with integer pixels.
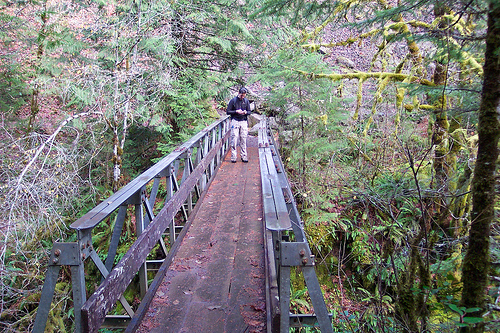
[
  {"x": 103, "y": 299},
  {"x": 105, "y": 208},
  {"x": 210, "y": 144}
]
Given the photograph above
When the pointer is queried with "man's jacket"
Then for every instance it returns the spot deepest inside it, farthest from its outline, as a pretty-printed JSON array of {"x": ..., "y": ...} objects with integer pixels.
[{"x": 237, "y": 103}]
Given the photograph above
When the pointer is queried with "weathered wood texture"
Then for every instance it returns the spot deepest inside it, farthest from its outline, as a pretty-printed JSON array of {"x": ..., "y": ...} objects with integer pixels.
[
  {"x": 216, "y": 282},
  {"x": 98, "y": 305}
]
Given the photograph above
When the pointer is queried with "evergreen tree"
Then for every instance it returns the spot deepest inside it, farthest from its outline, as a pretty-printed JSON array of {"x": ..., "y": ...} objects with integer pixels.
[
  {"x": 476, "y": 267},
  {"x": 107, "y": 71}
]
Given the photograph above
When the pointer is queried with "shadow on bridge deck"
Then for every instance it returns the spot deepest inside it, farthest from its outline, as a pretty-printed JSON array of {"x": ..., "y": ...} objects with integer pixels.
[{"x": 216, "y": 282}]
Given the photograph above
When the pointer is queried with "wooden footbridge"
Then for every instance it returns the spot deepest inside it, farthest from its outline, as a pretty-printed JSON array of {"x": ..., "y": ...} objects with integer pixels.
[{"x": 213, "y": 255}]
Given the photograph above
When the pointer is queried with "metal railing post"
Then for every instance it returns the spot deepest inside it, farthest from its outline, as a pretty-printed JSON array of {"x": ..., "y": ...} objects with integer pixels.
[
  {"x": 140, "y": 226},
  {"x": 46, "y": 298},
  {"x": 69, "y": 254},
  {"x": 284, "y": 287},
  {"x": 79, "y": 297}
]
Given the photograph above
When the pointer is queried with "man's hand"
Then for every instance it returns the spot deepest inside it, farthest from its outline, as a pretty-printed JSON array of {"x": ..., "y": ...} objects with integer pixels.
[{"x": 240, "y": 111}]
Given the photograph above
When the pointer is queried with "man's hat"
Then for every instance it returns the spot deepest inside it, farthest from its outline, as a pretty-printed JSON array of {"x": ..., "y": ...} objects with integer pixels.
[{"x": 243, "y": 90}]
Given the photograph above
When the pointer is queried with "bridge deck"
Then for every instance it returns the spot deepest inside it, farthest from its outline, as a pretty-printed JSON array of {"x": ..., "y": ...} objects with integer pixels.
[{"x": 216, "y": 282}]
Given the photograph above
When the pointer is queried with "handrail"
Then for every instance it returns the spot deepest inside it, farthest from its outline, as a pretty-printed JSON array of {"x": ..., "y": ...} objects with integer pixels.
[
  {"x": 101, "y": 211},
  {"x": 195, "y": 163},
  {"x": 282, "y": 220},
  {"x": 196, "y": 172}
]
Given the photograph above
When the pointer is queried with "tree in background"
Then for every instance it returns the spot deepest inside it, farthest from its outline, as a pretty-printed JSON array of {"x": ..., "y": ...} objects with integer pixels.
[
  {"x": 425, "y": 56},
  {"x": 107, "y": 69},
  {"x": 476, "y": 267},
  {"x": 207, "y": 54},
  {"x": 13, "y": 91}
]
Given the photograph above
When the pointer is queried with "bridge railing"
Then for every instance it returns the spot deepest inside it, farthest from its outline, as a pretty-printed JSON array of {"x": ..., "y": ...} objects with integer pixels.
[
  {"x": 186, "y": 173},
  {"x": 286, "y": 245}
]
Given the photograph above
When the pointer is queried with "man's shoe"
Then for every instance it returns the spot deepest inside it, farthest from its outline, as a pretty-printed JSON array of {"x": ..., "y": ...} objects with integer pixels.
[
  {"x": 233, "y": 161},
  {"x": 244, "y": 161}
]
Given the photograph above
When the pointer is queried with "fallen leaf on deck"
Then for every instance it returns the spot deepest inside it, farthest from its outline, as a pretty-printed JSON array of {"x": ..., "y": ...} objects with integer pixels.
[{"x": 213, "y": 307}]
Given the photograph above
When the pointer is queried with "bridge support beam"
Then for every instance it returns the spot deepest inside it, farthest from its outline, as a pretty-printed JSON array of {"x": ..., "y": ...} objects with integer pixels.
[
  {"x": 68, "y": 254},
  {"x": 46, "y": 298},
  {"x": 284, "y": 299}
]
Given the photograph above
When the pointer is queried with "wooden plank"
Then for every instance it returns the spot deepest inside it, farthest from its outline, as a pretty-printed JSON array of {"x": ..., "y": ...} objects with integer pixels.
[
  {"x": 146, "y": 301},
  {"x": 292, "y": 206},
  {"x": 104, "y": 298},
  {"x": 279, "y": 199},
  {"x": 216, "y": 282},
  {"x": 262, "y": 137},
  {"x": 270, "y": 216},
  {"x": 105, "y": 272},
  {"x": 247, "y": 293},
  {"x": 275, "y": 209}
]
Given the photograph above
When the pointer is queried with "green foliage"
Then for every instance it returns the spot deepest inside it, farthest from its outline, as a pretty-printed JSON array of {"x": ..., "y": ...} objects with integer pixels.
[
  {"x": 289, "y": 90},
  {"x": 374, "y": 226},
  {"x": 140, "y": 149},
  {"x": 297, "y": 301},
  {"x": 144, "y": 74},
  {"x": 387, "y": 175},
  {"x": 13, "y": 92},
  {"x": 156, "y": 83},
  {"x": 300, "y": 9}
]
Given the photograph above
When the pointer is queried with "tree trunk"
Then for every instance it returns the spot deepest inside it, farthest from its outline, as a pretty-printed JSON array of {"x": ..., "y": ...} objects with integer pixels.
[
  {"x": 477, "y": 259},
  {"x": 42, "y": 35},
  {"x": 441, "y": 130}
]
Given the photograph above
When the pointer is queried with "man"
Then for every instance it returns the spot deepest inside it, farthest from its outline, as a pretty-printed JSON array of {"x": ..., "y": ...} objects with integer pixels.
[{"x": 239, "y": 108}]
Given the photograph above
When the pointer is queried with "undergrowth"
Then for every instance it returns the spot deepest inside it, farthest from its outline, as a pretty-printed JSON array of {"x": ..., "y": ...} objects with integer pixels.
[{"x": 364, "y": 207}]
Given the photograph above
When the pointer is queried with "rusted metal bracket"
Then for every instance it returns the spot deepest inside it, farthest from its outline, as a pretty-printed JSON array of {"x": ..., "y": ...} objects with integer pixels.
[
  {"x": 296, "y": 254},
  {"x": 66, "y": 254}
]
